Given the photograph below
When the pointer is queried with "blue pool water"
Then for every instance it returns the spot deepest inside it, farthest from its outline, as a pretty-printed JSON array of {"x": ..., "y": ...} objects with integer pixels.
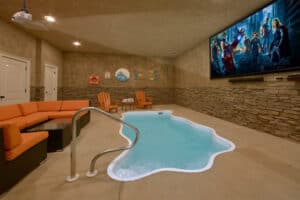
[{"x": 166, "y": 143}]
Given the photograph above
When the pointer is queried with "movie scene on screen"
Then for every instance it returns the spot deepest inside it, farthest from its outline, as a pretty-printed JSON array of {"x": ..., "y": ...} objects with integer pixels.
[{"x": 266, "y": 41}]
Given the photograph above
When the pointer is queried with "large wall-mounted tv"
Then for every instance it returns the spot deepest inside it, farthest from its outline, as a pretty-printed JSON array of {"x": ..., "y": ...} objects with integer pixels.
[{"x": 266, "y": 41}]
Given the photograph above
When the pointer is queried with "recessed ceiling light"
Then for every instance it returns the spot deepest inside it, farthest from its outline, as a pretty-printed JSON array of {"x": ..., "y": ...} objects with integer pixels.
[
  {"x": 50, "y": 19},
  {"x": 77, "y": 43}
]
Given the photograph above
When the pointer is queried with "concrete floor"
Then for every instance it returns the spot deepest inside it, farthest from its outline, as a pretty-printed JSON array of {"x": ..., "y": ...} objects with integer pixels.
[{"x": 262, "y": 167}]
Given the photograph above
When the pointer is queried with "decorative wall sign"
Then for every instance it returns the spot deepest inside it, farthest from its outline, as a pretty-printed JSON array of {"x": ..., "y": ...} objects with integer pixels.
[
  {"x": 138, "y": 75},
  {"x": 107, "y": 75},
  {"x": 94, "y": 79},
  {"x": 153, "y": 75},
  {"x": 122, "y": 75}
]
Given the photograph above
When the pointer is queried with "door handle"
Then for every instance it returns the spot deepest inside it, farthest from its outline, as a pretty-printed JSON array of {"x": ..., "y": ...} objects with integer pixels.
[{"x": 2, "y": 97}]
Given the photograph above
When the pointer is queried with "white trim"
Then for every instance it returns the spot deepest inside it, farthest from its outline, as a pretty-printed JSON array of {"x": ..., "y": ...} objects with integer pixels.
[
  {"x": 53, "y": 67},
  {"x": 191, "y": 123},
  {"x": 28, "y": 69}
]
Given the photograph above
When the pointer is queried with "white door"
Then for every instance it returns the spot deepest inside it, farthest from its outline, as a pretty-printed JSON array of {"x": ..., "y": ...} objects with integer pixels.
[
  {"x": 50, "y": 83},
  {"x": 13, "y": 81}
]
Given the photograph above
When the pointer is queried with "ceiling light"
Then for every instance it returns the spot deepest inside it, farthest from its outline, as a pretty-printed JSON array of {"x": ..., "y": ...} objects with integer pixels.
[
  {"x": 50, "y": 19},
  {"x": 76, "y": 43}
]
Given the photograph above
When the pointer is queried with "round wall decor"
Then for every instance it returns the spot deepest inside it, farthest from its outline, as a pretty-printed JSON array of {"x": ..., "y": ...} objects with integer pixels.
[
  {"x": 122, "y": 75},
  {"x": 94, "y": 79}
]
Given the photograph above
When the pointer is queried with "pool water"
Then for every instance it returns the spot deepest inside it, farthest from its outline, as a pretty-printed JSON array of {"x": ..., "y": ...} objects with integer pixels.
[{"x": 166, "y": 143}]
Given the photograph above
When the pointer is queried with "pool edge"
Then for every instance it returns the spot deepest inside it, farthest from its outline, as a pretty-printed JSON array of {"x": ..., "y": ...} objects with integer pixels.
[{"x": 207, "y": 166}]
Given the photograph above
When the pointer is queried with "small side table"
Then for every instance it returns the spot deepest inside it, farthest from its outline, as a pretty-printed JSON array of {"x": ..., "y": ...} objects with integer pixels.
[{"x": 127, "y": 105}]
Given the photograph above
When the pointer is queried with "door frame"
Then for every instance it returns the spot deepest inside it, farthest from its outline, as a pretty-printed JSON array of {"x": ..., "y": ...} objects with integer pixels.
[
  {"x": 28, "y": 69},
  {"x": 53, "y": 67}
]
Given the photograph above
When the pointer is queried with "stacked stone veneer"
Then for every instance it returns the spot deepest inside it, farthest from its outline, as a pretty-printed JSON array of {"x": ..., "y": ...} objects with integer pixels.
[
  {"x": 160, "y": 95},
  {"x": 274, "y": 109},
  {"x": 37, "y": 93}
]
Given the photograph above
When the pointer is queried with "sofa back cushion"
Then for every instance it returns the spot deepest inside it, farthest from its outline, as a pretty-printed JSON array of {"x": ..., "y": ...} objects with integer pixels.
[
  {"x": 46, "y": 106},
  {"x": 72, "y": 105},
  {"x": 11, "y": 136},
  {"x": 28, "y": 108},
  {"x": 9, "y": 112}
]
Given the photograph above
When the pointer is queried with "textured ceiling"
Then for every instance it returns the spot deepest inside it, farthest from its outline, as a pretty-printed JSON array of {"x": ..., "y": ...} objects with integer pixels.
[{"x": 164, "y": 28}]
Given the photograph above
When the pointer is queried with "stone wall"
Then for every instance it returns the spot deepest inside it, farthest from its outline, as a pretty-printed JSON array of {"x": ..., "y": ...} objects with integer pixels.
[
  {"x": 36, "y": 93},
  {"x": 271, "y": 106},
  {"x": 78, "y": 67},
  {"x": 258, "y": 108},
  {"x": 160, "y": 95}
]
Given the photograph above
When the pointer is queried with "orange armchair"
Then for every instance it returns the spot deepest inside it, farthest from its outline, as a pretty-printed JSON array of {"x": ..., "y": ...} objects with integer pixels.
[
  {"x": 142, "y": 101},
  {"x": 105, "y": 102}
]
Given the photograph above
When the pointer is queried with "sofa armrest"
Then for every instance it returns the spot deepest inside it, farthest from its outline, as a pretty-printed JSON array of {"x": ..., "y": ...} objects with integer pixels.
[
  {"x": 117, "y": 102},
  {"x": 149, "y": 99},
  {"x": 2, "y": 155}
]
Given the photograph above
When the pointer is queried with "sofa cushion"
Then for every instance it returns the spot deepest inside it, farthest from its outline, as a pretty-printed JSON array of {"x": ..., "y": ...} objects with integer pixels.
[
  {"x": 35, "y": 118},
  {"x": 28, "y": 140},
  {"x": 28, "y": 108},
  {"x": 20, "y": 122},
  {"x": 45, "y": 106},
  {"x": 74, "y": 105},
  {"x": 11, "y": 136},
  {"x": 61, "y": 114},
  {"x": 9, "y": 112}
]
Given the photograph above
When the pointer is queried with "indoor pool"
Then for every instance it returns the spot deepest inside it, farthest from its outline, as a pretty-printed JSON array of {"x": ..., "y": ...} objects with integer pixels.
[{"x": 166, "y": 143}]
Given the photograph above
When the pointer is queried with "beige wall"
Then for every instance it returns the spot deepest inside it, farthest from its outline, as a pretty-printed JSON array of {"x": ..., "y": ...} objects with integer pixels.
[
  {"x": 193, "y": 70},
  {"x": 16, "y": 42},
  {"x": 78, "y": 67},
  {"x": 51, "y": 56},
  {"x": 272, "y": 105}
]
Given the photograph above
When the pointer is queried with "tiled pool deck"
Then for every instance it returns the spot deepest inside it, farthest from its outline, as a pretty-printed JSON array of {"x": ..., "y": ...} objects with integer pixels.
[{"x": 262, "y": 167}]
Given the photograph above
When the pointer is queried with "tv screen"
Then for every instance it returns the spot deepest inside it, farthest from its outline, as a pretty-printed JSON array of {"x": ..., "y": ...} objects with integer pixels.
[{"x": 266, "y": 41}]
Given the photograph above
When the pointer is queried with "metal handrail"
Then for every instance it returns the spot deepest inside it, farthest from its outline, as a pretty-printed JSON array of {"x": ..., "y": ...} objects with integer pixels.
[{"x": 92, "y": 172}]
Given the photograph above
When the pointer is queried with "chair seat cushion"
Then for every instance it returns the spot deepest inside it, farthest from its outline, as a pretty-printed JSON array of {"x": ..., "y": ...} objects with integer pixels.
[
  {"x": 74, "y": 105},
  {"x": 9, "y": 112},
  {"x": 20, "y": 122},
  {"x": 28, "y": 140},
  {"x": 61, "y": 114},
  {"x": 28, "y": 108},
  {"x": 35, "y": 118},
  {"x": 147, "y": 103},
  {"x": 113, "y": 107},
  {"x": 142, "y": 105},
  {"x": 46, "y": 106}
]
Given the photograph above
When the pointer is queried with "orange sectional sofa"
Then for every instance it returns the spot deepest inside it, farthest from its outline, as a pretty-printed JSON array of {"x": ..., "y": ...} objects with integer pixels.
[
  {"x": 15, "y": 143},
  {"x": 21, "y": 153},
  {"x": 28, "y": 114}
]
